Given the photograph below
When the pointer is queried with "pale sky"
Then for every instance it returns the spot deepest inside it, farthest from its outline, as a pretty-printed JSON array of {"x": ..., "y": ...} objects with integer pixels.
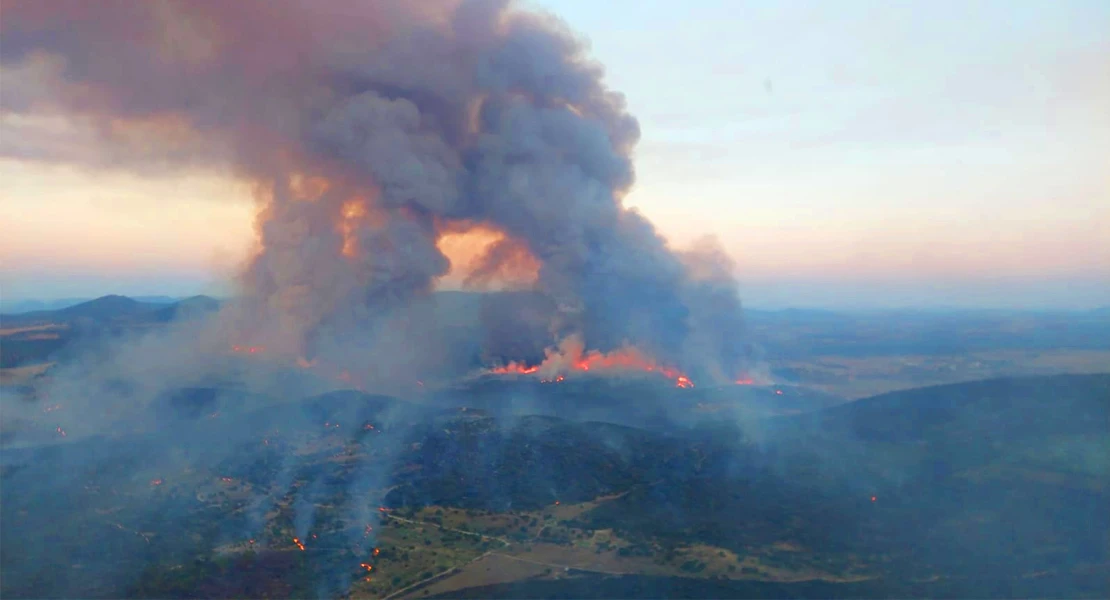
[{"x": 846, "y": 154}]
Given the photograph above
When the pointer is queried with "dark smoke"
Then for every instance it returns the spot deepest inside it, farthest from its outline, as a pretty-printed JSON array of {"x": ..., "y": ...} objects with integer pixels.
[{"x": 425, "y": 116}]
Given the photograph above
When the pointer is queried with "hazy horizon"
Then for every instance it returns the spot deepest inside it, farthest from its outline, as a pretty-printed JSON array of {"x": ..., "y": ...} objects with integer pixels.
[{"x": 1062, "y": 296}]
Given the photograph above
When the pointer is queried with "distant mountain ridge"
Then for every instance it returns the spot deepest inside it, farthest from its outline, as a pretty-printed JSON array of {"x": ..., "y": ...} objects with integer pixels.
[
  {"x": 36, "y": 305},
  {"x": 39, "y": 336},
  {"x": 113, "y": 306},
  {"x": 471, "y": 299},
  {"x": 190, "y": 307},
  {"x": 105, "y": 307}
]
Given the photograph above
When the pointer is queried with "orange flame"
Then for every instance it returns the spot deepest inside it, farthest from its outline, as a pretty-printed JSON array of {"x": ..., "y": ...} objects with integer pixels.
[
  {"x": 353, "y": 211},
  {"x": 484, "y": 257},
  {"x": 571, "y": 356},
  {"x": 744, "y": 381},
  {"x": 514, "y": 368},
  {"x": 298, "y": 543}
]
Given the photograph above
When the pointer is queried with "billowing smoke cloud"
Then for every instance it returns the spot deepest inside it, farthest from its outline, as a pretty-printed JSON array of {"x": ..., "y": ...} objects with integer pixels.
[{"x": 372, "y": 128}]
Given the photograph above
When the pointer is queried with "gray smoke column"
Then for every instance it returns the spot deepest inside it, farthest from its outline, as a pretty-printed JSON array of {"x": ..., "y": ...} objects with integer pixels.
[{"x": 370, "y": 129}]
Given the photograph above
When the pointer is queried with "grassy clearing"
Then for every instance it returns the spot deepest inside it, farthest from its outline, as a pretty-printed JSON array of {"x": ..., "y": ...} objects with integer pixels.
[
  {"x": 411, "y": 552},
  {"x": 858, "y": 377},
  {"x": 544, "y": 544},
  {"x": 488, "y": 570}
]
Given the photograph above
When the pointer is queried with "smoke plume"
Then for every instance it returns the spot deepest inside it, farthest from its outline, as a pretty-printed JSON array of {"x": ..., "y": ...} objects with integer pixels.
[{"x": 371, "y": 130}]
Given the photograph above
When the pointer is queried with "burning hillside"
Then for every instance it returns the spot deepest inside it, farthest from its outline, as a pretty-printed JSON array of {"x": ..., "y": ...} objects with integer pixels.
[{"x": 571, "y": 358}]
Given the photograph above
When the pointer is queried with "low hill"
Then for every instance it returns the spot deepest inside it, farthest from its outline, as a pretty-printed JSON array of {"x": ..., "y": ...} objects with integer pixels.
[
  {"x": 39, "y": 336},
  {"x": 106, "y": 307},
  {"x": 956, "y": 491},
  {"x": 941, "y": 430},
  {"x": 635, "y": 399},
  {"x": 187, "y": 308},
  {"x": 26, "y": 306},
  {"x": 995, "y": 479},
  {"x": 103, "y": 309},
  {"x": 1059, "y": 403}
]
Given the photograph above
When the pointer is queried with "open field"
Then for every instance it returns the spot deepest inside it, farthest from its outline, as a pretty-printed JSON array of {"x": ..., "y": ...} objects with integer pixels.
[
  {"x": 546, "y": 544},
  {"x": 861, "y": 376}
]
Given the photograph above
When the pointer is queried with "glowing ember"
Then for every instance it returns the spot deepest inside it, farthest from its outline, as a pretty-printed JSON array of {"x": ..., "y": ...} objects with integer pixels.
[
  {"x": 683, "y": 382},
  {"x": 778, "y": 392},
  {"x": 226, "y": 479},
  {"x": 744, "y": 382},
  {"x": 298, "y": 544},
  {"x": 61, "y": 431},
  {"x": 514, "y": 368},
  {"x": 155, "y": 482},
  {"x": 247, "y": 349},
  {"x": 376, "y": 551},
  {"x": 873, "y": 498},
  {"x": 354, "y": 211},
  {"x": 366, "y": 566}
]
